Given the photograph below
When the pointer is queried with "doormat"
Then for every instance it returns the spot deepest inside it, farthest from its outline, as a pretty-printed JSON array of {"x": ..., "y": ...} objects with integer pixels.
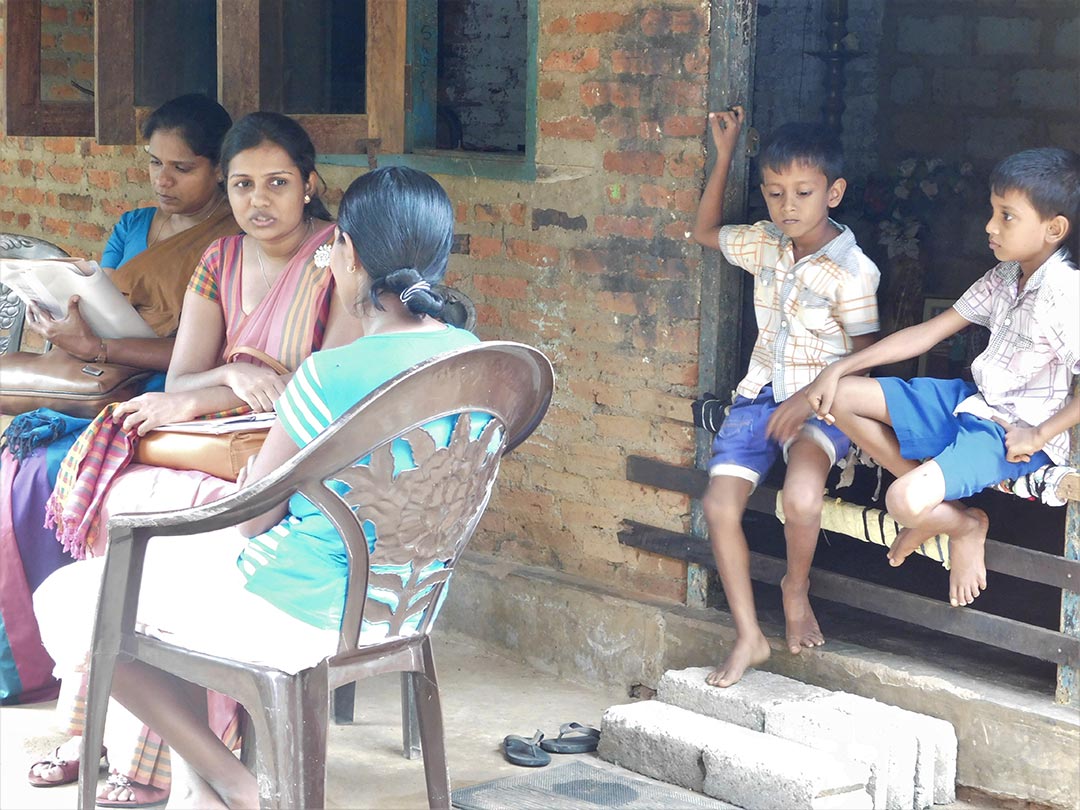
[{"x": 578, "y": 785}]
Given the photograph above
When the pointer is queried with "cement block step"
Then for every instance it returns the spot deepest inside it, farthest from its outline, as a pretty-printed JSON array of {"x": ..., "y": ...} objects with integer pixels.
[
  {"x": 911, "y": 757},
  {"x": 747, "y": 768}
]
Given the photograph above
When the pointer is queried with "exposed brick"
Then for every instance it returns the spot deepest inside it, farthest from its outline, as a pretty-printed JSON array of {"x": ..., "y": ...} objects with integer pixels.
[
  {"x": 516, "y": 213},
  {"x": 500, "y": 286},
  {"x": 89, "y": 232},
  {"x": 461, "y": 213},
  {"x": 77, "y": 43},
  {"x": 655, "y": 21},
  {"x": 137, "y": 176},
  {"x": 574, "y": 128},
  {"x": 582, "y": 60},
  {"x": 617, "y": 126},
  {"x": 649, "y": 130},
  {"x": 652, "y": 62},
  {"x": 485, "y": 212},
  {"x": 687, "y": 21},
  {"x": 677, "y": 230},
  {"x": 29, "y": 195},
  {"x": 59, "y": 146},
  {"x": 600, "y": 22},
  {"x": 697, "y": 61},
  {"x": 682, "y": 93},
  {"x": 483, "y": 247},
  {"x": 54, "y": 14},
  {"x": 686, "y": 163},
  {"x": 646, "y": 163},
  {"x": 76, "y": 202},
  {"x": 550, "y": 90},
  {"x": 488, "y": 316},
  {"x": 532, "y": 253},
  {"x": 103, "y": 179},
  {"x": 460, "y": 245},
  {"x": 560, "y": 25},
  {"x": 620, "y": 94},
  {"x": 631, "y": 227},
  {"x": 60, "y": 227},
  {"x": 588, "y": 261},
  {"x": 26, "y": 167},
  {"x": 113, "y": 208},
  {"x": 615, "y": 193},
  {"x": 684, "y": 126},
  {"x": 543, "y": 217}
]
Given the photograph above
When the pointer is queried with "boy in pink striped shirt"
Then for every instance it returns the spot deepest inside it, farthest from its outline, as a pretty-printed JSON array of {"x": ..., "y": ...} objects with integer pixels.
[{"x": 1015, "y": 417}]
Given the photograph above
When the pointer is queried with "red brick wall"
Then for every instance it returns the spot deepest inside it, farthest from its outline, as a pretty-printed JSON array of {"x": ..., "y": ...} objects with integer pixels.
[{"x": 591, "y": 263}]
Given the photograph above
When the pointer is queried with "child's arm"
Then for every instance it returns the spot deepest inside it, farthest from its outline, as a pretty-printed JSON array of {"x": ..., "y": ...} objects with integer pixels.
[
  {"x": 1021, "y": 443},
  {"x": 903, "y": 345},
  {"x": 725, "y": 128}
]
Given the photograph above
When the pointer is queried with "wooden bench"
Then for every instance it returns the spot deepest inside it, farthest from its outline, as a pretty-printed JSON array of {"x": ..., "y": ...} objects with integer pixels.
[{"x": 1061, "y": 647}]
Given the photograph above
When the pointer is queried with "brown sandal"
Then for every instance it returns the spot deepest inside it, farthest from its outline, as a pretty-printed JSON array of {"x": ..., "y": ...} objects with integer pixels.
[{"x": 69, "y": 769}]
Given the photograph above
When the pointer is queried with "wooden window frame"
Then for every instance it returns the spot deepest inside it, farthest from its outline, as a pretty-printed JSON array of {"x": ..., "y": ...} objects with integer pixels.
[
  {"x": 25, "y": 112},
  {"x": 113, "y": 116}
]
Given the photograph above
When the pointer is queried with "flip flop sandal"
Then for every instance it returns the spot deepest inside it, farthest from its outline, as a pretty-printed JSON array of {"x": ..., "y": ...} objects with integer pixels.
[
  {"x": 144, "y": 795},
  {"x": 68, "y": 767},
  {"x": 573, "y": 738},
  {"x": 525, "y": 751}
]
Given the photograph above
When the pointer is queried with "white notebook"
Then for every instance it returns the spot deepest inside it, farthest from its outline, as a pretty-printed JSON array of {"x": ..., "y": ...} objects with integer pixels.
[
  {"x": 49, "y": 283},
  {"x": 260, "y": 420}
]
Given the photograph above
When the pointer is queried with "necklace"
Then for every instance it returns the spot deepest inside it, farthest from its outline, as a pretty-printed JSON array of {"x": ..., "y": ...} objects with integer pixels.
[
  {"x": 259, "y": 253},
  {"x": 168, "y": 220}
]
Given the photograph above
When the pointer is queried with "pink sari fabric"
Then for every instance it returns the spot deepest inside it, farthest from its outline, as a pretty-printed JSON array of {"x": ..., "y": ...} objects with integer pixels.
[{"x": 288, "y": 324}]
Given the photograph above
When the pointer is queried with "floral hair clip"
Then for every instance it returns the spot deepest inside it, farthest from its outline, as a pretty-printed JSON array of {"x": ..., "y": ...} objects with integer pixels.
[{"x": 322, "y": 256}]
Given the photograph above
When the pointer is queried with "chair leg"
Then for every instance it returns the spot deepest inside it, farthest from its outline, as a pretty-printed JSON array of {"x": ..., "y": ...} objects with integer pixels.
[
  {"x": 410, "y": 724},
  {"x": 99, "y": 686},
  {"x": 292, "y": 731},
  {"x": 432, "y": 737},
  {"x": 344, "y": 703}
]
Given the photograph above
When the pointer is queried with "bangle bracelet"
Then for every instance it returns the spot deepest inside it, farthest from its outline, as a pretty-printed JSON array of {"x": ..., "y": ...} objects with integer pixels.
[{"x": 103, "y": 353}]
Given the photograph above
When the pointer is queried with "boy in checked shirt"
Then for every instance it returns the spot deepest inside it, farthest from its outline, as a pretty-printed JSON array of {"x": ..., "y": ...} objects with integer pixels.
[
  {"x": 815, "y": 302},
  {"x": 1015, "y": 417}
]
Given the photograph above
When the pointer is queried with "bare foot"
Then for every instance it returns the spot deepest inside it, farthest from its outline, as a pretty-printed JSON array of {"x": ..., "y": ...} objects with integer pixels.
[
  {"x": 745, "y": 653},
  {"x": 190, "y": 791},
  {"x": 967, "y": 572},
  {"x": 800, "y": 624},
  {"x": 905, "y": 544}
]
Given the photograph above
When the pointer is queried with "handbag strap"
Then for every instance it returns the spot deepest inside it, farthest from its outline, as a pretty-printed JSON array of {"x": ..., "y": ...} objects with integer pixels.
[{"x": 261, "y": 356}]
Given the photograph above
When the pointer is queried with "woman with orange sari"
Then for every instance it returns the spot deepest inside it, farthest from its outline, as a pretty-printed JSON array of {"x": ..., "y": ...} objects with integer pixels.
[
  {"x": 263, "y": 290},
  {"x": 149, "y": 256}
]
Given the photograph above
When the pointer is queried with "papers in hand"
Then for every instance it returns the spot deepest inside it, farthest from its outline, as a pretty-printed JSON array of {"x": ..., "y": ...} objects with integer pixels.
[
  {"x": 225, "y": 424},
  {"x": 49, "y": 283}
]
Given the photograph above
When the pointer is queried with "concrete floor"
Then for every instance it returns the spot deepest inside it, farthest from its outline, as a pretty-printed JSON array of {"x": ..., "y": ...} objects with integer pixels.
[{"x": 485, "y": 697}]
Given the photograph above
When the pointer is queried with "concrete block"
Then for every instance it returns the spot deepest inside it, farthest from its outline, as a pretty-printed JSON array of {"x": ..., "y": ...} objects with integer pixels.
[
  {"x": 1047, "y": 89},
  {"x": 931, "y": 35},
  {"x": 729, "y": 762},
  {"x": 742, "y": 704},
  {"x": 935, "y": 766},
  {"x": 890, "y": 751},
  {"x": 996, "y": 36}
]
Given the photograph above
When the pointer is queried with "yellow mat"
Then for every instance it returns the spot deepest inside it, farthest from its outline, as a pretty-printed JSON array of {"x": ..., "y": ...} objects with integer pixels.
[{"x": 870, "y": 525}]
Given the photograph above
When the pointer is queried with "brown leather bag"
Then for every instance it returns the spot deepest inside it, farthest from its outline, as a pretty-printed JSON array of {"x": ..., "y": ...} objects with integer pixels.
[
  {"x": 221, "y": 454},
  {"x": 64, "y": 383}
]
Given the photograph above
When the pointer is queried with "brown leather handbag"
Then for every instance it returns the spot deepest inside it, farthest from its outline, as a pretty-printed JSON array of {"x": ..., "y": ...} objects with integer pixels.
[
  {"x": 222, "y": 455},
  {"x": 64, "y": 383}
]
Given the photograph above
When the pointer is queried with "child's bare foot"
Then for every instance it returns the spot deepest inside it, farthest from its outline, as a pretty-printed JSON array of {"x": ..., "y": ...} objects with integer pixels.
[
  {"x": 905, "y": 544},
  {"x": 800, "y": 624},
  {"x": 967, "y": 572},
  {"x": 745, "y": 653}
]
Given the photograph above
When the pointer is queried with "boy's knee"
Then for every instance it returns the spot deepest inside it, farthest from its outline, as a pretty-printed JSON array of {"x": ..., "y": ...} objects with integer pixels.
[
  {"x": 801, "y": 505},
  {"x": 719, "y": 505},
  {"x": 901, "y": 501}
]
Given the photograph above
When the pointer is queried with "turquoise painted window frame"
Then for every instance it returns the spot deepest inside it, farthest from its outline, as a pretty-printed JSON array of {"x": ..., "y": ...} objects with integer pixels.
[{"x": 420, "y": 112}]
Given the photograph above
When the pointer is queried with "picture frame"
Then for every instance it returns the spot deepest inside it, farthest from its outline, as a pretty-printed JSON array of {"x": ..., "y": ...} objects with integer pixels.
[{"x": 950, "y": 359}]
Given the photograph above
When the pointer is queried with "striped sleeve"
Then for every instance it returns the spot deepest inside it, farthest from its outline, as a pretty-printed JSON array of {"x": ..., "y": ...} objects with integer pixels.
[
  {"x": 857, "y": 304},
  {"x": 302, "y": 409},
  {"x": 976, "y": 305},
  {"x": 204, "y": 281},
  {"x": 744, "y": 246}
]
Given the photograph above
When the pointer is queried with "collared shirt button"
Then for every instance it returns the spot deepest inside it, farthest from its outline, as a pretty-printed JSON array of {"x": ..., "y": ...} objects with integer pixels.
[{"x": 1008, "y": 321}]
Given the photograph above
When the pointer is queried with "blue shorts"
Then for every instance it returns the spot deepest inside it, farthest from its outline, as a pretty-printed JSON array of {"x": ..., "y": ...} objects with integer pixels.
[
  {"x": 741, "y": 448},
  {"x": 969, "y": 450}
]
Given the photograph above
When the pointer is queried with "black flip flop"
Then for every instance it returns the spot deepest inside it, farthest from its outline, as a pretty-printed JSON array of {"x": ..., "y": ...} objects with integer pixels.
[
  {"x": 573, "y": 738},
  {"x": 525, "y": 751}
]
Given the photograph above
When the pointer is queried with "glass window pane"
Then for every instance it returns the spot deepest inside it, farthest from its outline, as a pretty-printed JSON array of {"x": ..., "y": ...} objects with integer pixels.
[
  {"x": 175, "y": 49},
  {"x": 313, "y": 56}
]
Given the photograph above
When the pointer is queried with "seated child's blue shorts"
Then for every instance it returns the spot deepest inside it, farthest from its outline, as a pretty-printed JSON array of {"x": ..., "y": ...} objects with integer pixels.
[
  {"x": 741, "y": 448},
  {"x": 969, "y": 450}
]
